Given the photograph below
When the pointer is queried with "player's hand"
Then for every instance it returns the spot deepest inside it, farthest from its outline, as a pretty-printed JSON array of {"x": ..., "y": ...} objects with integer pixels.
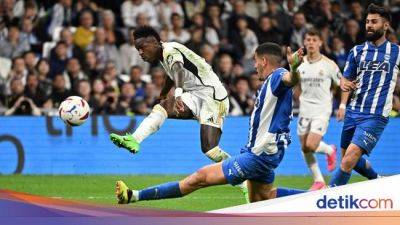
[
  {"x": 294, "y": 59},
  {"x": 179, "y": 107},
  {"x": 347, "y": 85},
  {"x": 340, "y": 114}
]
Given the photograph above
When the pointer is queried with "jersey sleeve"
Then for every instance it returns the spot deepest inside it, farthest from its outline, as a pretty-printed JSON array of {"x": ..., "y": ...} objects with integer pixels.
[
  {"x": 350, "y": 69},
  {"x": 171, "y": 56},
  {"x": 336, "y": 74},
  {"x": 277, "y": 86}
]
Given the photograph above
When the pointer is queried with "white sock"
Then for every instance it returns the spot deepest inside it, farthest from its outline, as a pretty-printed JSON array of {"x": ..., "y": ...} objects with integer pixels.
[
  {"x": 313, "y": 165},
  {"x": 151, "y": 123},
  {"x": 217, "y": 154},
  {"x": 324, "y": 148}
]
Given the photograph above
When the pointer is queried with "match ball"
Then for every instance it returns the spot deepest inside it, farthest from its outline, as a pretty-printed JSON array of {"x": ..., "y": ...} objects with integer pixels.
[{"x": 74, "y": 111}]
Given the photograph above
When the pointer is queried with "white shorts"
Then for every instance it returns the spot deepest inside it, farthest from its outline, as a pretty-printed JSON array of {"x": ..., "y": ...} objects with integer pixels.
[
  {"x": 207, "y": 110},
  {"x": 316, "y": 125}
]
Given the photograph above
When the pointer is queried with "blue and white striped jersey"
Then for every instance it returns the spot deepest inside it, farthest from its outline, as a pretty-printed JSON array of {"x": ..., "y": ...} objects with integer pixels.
[
  {"x": 271, "y": 114},
  {"x": 375, "y": 70}
]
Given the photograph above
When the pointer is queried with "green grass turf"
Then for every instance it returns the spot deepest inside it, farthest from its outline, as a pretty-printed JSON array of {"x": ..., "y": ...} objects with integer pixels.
[{"x": 100, "y": 189}]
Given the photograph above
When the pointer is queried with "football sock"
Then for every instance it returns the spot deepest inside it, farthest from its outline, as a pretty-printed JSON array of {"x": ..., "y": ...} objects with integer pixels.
[
  {"x": 339, "y": 178},
  {"x": 313, "y": 166},
  {"x": 151, "y": 123},
  {"x": 282, "y": 192},
  {"x": 217, "y": 154},
  {"x": 162, "y": 191},
  {"x": 324, "y": 148},
  {"x": 364, "y": 169}
]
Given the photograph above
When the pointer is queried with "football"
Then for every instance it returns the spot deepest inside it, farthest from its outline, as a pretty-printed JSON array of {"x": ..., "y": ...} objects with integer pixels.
[{"x": 74, "y": 111}]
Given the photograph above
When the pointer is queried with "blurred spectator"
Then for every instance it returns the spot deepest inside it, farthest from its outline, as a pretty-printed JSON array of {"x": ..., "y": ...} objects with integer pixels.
[
  {"x": 7, "y": 12},
  {"x": 158, "y": 79},
  {"x": 352, "y": 34},
  {"x": 225, "y": 69},
  {"x": 254, "y": 84},
  {"x": 298, "y": 30},
  {"x": 13, "y": 45},
  {"x": 113, "y": 35},
  {"x": 110, "y": 78},
  {"x": 279, "y": 18},
  {"x": 30, "y": 60},
  {"x": 33, "y": 90},
  {"x": 103, "y": 50},
  {"x": 130, "y": 56},
  {"x": 61, "y": 15},
  {"x": 196, "y": 40},
  {"x": 268, "y": 32},
  {"x": 90, "y": 66},
  {"x": 126, "y": 100},
  {"x": 85, "y": 6},
  {"x": 58, "y": 59},
  {"x": 84, "y": 35},
  {"x": 208, "y": 53},
  {"x": 178, "y": 33},
  {"x": 142, "y": 20},
  {"x": 357, "y": 14},
  {"x": 215, "y": 21},
  {"x": 27, "y": 35},
  {"x": 339, "y": 53},
  {"x": 165, "y": 9},
  {"x": 59, "y": 93},
  {"x": 18, "y": 71},
  {"x": 239, "y": 13},
  {"x": 151, "y": 95},
  {"x": 17, "y": 103},
  {"x": 72, "y": 50},
  {"x": 73, "y": 74},
  {"x": 43, "y": 70},
  {"x": 208, "y": 34},
  {"x": 84, "y": 90},
  {"x": 247, "y": 43},
  {"x": 136, "y": 74},
  {"x": 99, "y": 97},
  {"x": 241, "y": 102},
  {"x": 131, "y": 8}
]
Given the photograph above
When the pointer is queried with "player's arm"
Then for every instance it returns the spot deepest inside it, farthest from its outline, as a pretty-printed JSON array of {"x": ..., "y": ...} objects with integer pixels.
[
  {"x": 291, "y": 78},
  {"x": 347, "y": 81},
  {"x": 167, "y": 87},
  {"x": 178, "y": 73},
  {"x": 344, "y": 96}
]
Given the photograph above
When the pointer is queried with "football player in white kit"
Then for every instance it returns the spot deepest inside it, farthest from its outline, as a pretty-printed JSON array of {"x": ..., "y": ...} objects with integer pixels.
[
  {"x": 318, "y": 75},
  {"x": 199, "y": 94}
]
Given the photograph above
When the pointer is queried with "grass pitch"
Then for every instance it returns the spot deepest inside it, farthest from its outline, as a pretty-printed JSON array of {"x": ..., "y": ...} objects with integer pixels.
[{"x": 100, "y": 189}]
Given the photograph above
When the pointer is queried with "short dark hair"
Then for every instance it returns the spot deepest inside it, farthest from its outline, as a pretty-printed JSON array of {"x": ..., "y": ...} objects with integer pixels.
[
  {"x": 271, "y": 49},
  {"x": 146, "y": 31},
  {"x": 375, "y": 9},
  {"x": 313, "y": 32}
]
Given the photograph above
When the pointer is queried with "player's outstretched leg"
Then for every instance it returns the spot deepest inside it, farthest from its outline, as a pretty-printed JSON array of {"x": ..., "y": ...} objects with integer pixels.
[
  {"x": 349, "y": 161},
  {"x": 204, "y": 177},
  {"x": 364, "y": 168},
  {"x": 149, "y": 125},
  {"x": 210, "y": 137}
]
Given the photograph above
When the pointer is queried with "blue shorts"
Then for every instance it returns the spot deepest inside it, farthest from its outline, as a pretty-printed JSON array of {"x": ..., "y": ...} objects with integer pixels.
[
  {"x": 249, "y": 166},
  {"x": 363, "y": 130}
]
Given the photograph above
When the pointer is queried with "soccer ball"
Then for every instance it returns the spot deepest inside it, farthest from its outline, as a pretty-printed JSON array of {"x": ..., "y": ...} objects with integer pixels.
[{"x": 74, "y": 110}]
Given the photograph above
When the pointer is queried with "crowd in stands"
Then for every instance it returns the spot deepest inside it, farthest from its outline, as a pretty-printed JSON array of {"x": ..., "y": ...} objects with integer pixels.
[{"x": 53, "y": 49}]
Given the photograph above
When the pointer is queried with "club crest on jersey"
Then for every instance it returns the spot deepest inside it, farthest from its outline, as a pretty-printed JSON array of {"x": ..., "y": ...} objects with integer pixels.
[
  {"x": 169, "y": 59},
  {"x": 374, "y": 66},
  {"x": 321, "y": 73}
]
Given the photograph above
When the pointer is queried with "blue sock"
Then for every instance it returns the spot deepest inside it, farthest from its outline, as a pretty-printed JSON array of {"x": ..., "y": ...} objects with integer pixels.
[
  {"x": 339, "y": 178},
  {"x": 282, "y": 192},
  {"x": 363, "y": 170},
  {"x": 162, "y": 191}
]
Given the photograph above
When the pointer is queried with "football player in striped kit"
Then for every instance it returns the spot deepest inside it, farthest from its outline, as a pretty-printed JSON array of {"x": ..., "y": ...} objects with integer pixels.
[{"x": 370, "y": 76}]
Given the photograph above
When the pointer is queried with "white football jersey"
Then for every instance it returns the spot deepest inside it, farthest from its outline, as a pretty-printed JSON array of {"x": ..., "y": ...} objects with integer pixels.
[
  {"x": 200, "y": 77},
  {"x": 316, "y": 81}
]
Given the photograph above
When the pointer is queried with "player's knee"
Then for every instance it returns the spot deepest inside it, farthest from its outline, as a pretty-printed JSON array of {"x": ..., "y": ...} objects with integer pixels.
[
  {"x": 347, "y": 164},
  {"x": 311, "y": 145},
  {"x": 197, "y": 179},
  {"x": 168, "y": 105}
]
